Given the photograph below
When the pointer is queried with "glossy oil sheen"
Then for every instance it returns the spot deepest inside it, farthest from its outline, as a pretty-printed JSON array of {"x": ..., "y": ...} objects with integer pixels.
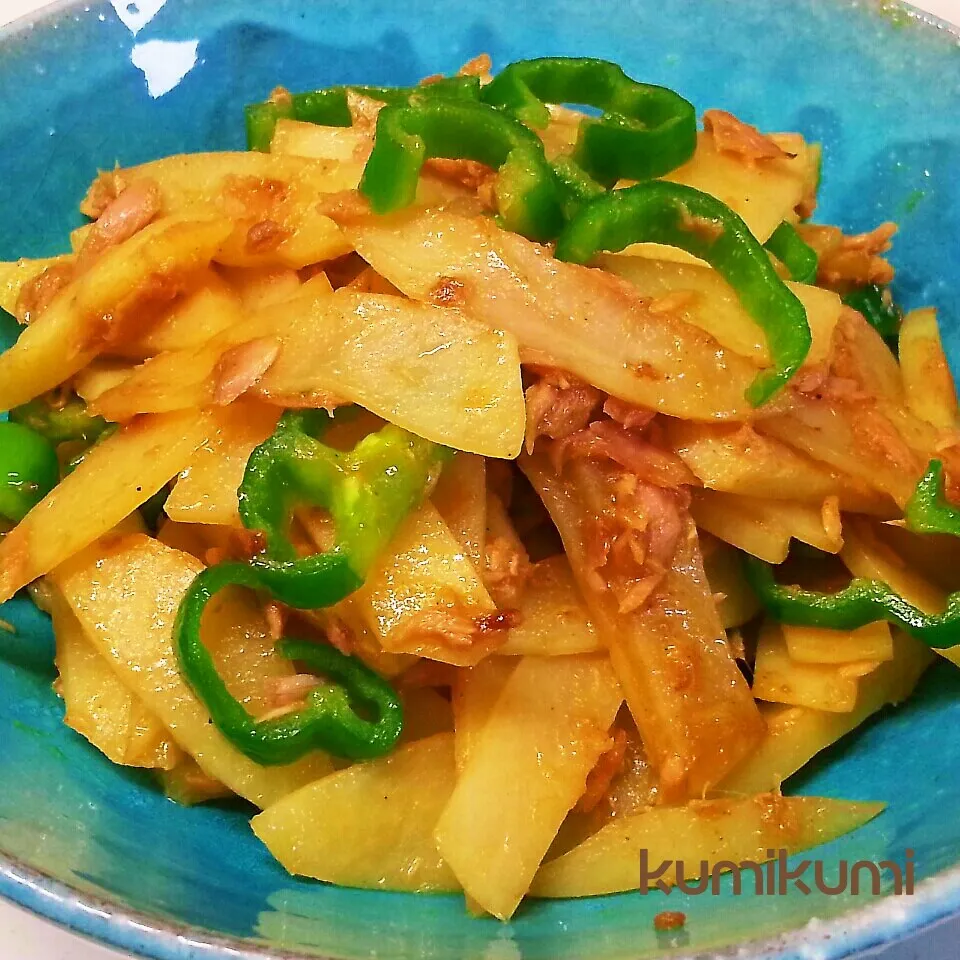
[{"x": 94, "y": 845}]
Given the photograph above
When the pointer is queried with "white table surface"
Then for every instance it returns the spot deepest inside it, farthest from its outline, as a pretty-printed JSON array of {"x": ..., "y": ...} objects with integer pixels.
[{"x": 26, "y": 937}]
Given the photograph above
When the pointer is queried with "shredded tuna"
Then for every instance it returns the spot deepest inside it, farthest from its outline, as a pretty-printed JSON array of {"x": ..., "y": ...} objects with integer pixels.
[
  {"x": 507, "y": 570},
  {"x": 704, "y": 227},
  {"x": 731, "y": 135},
  {"x": 102, "y": 192},
  {"x": 669, "y": 920},
  {"x": 630, "y": 549},
  {"x": 265, "y": 236},
  {"x": 818, "y": 382},
  {"x": 276, "y": 616},
  {"x": 40, "y": 292},
  {"x": 830, "y": 517},
  {"x": 469, "y": 174},
  {"x": 248, "y": 196},
  {"x": 340, "y": 635},
  {"x": 605, "y": 439},
  {"x": 850, "y": 261},
  {"x": 288, "y": 691},
  {"x": 344, "y": 206},
  {"x": 447, "y": 293},
  {"x": 608, "y": 766},
  {"x": 558, "y": 405},
  {"x": 132, "y": 210},
  {"x": 363, "y": 111},
  {"x": 480, "y": 66},
  {"x": 877, "y": 436},
  {"x": 281, "y": 96},
  {"x": 627, "y": 414},
  {"x": 242, "y": 366},
  {"x": 457, "y": 630}
]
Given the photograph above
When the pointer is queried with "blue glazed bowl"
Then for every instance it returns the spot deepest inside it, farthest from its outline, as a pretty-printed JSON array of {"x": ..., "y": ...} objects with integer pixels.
[{"x": 97, "y": 847}]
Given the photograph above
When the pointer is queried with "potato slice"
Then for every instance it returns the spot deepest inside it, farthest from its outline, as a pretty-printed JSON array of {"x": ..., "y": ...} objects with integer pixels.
[
  {"x": 818, "y": 645},
  {"x": 553, "y": 617},
  {"x": 764, "y": 193},
  {"x": 583, "y": 320},
  {"x": 101, "y": 375},
  {"x": 703, "y": 830},
  {"x": 428, "y": 369},
  {"x": 272, "y": 199},
  {"x": 796, "y": 734},
  {"x": 860, "y": 441},
  {"x": 821, "y": 686},
  {"x": 475, "y": 693},
  {"x": 126, "y": 593},
  {"x": 433, "y": 371},
  {"x": 103, "y": 306},
  {"x": 206, "y": 489},
  {"x": 736, "y": 601},
  {"x": 298, "y": 139},
  {"x": 423, "y": 594},
  {"x": 763, "y": 527},
  {"x": 260, "y": 287},
  {"x": 544, "y": 734},
  {"x": 192, "y": 320},
  {"x": 370, "y": 825},
  {"x": 116, "y": 476},
  {"x": 461, "y": 499},
  {"x": 15, "y": 275},
  {"x": 700, "y": 296},
  {"x": 865, "y": 555},
  {"x": 928, "y": 384},
  {"x": 735, "y": 458},
  {"x": 690, "y": 702},
  {"x": 99, "y": 707}
]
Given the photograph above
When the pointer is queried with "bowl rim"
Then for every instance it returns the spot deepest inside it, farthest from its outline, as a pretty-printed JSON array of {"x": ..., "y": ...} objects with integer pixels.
[
  {"x": 96, "y": 918},
  {"x": 106, "y": 922}
]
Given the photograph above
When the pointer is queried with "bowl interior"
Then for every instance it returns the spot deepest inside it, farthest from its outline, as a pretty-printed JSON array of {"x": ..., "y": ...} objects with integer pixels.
[{"x": 125, "y": 82}]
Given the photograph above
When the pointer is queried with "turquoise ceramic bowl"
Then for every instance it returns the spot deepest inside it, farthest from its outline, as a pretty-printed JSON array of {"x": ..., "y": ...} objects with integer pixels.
[{"x": 96, "y": 847}]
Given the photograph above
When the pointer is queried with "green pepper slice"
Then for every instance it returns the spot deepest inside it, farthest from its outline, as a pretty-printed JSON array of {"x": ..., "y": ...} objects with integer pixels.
[
  {"x": 329, "y": 107},
  {"x": 527, "y": 190},
  {"x": 330, "y": 719},
  {"x": 878, "y": 309},
  {"x": 680, "y": 216},
  {"x": 798, "y": 257},
  {"x": 28, "y": 470},
  {"x": 645, "y": 131},
  {"x": 860, "y": 603}
]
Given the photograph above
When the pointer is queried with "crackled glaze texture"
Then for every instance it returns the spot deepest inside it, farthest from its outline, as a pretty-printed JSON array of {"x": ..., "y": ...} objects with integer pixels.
[{"x": 97, "y": 847}]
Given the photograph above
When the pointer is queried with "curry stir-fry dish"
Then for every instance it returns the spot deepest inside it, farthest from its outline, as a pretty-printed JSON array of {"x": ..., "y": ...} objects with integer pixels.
[{"x": 484, "y": 490}]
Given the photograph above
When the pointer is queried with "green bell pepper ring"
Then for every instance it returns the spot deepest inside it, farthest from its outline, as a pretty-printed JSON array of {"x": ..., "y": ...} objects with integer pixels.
[
  {"x": 798, "y": 257},
  {"x": 577, "y": 187},
  {"x": 878, "y": 309},
  {"x": 329, "y": 107},
  {"x": 860, "y": 603},
  {"x": 28, "y": 470},
  {"x": 60, "y": 423},
  {"x": 329, "y": 721},
  {"x": 368, "y": 490},
  {"x": 680, "y": 216},
  {"x": 928, "y": 510},
  {"x": 528, "y": 192},
  {"x": 645, "y": 131}
]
